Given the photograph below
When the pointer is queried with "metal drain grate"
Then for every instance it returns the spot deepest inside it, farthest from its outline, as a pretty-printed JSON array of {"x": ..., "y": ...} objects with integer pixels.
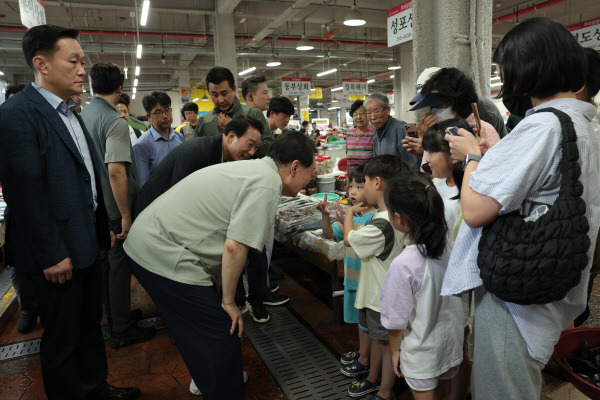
[
  {"x": 19, "y": 349},
  {"x": 30, "y": 347},
  {"x": 301, "y": 365}
]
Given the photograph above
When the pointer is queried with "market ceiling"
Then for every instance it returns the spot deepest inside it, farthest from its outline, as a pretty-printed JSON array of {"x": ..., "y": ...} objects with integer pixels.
[{"x": 180, "y": 33}]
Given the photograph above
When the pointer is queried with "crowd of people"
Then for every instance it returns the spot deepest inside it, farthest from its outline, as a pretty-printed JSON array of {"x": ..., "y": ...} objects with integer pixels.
[{"x": 94, "y": 196}]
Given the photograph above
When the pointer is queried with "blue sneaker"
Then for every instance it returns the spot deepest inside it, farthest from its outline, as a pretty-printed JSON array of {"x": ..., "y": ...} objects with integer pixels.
[
  {"x": 349, "y": 357},
  {"x": 358, "y": 389},
  {"x": 354, "y": 369},
  {"x": 378, "y": 397}
]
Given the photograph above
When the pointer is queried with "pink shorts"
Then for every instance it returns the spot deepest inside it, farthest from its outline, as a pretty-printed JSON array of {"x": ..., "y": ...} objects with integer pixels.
[{"x": 424, "y": 385}]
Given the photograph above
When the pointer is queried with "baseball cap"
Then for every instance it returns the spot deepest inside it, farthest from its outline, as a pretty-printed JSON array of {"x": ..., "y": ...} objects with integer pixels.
[{"x": 424, "y": 77}]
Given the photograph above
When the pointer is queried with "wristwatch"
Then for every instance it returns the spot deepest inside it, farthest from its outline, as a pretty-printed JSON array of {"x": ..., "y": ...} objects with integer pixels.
[{"x": 472, "y": 157}]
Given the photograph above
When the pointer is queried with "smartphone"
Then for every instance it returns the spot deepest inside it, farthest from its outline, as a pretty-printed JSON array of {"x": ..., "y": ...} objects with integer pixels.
[
  {"x": 411, "y": 130},
  {"x": 452, "y": 130},
  {"x": 476, "y": 114}
]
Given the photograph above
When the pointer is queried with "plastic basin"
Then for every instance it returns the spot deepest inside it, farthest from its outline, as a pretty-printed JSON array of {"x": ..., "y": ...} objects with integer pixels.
[{"x": 569, "y": 341}]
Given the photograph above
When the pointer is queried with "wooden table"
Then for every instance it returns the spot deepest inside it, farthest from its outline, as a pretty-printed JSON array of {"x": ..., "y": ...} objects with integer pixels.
[{"x": 335, "y": 269}]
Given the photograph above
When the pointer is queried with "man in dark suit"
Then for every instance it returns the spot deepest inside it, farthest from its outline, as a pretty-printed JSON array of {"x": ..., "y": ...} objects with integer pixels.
[
  {"x": 239, "y": 143},
  {"x": 57, "y": 221}
]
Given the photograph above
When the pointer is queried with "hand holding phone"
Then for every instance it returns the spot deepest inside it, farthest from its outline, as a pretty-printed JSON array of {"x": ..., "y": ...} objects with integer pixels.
[
  {"x": 411, "y": 130},
  {"x": 452, "y": 130}
]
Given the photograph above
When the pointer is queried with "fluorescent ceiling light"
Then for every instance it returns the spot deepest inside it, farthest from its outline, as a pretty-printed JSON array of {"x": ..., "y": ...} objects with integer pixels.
[
  {"x": 135, "y": 82},
  {"x": 334, "y": 101},
  {"x": 145, "y": 9},
  {"x": 392, "y": 76},
  {"x": 133, "y": 97},
  {"x": 1, "y": 73},
  {"x": 273, "y": 62},
  {"x": 125, "y": 70},
  {"x": 371, "y": 81},
  {"x": 394, "y": 67},
  {"x": 139, "y": 50},
  {"x": 137, "y": 70},
  {"x": 335, "y": 89},
  {"x": 304, "y": 44},
  {"x": 247, "y": 71},
  {"x": 204, "y": 98},
  {"x": 354, "y": 17},
  {"x": 196, "y": 99},
  {"x": 331, "y": 71},
  {"x": 333, "y": 108},
  {"x": 495, "y": 78},
  {"x": 133, "y": 90},
  {"x": 312, "y": 89}
]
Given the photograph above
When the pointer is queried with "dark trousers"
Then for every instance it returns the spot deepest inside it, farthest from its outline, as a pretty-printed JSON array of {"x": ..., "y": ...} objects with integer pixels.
[
  {"x": 116, "y": 281},
  {"x": 27, "y": 290},
  {"x": 72, "y": 350},
  {"x": 257, "y": 270},
  {"x": 200, "y": 329}
]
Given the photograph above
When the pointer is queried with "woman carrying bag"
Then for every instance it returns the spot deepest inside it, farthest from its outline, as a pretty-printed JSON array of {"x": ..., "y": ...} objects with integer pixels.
[{"x": 520, "y": 308}]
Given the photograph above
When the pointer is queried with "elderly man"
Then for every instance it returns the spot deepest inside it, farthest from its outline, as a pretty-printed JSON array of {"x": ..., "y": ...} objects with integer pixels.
[
  {"x": 189, "y": 258},
  {"x": 223, "y": 93},
  {"x": 239, "y": 143},
  {"x": 389, "y": 131},
  {"x": 57, "y": 220}
]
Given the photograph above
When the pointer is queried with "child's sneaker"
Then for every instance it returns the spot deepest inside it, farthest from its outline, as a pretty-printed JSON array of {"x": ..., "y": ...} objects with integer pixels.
[
  {"x": 354, "y": 369},
  {"x": 378, "y": 397},
  {"x": 360, "y": 388},
  {"x": 349, "y": 357}
]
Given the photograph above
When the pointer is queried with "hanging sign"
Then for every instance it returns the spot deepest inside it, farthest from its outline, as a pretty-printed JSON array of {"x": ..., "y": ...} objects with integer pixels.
[
  {"x": 354, "y": 97},
  {"x": 295, "y": 86},
  {"x": 355, "y": 87},
  {"x": 587, "y": 33},
  {"x": 32, "y": 13},
  {"x": 399, "y": 24},
  {"x": 316, "y": 93},
  {"x": 305, "y": 114},
  {"x": 185, "y": 92}
]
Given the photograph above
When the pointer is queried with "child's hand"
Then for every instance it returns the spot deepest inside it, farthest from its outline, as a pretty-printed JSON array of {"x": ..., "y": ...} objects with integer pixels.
[
  {"x": 357, "y": 209},
  {"x": 324, "y": 207},
  {"x": 396, "y": 364},
  {"x": 339, "y": 212}
]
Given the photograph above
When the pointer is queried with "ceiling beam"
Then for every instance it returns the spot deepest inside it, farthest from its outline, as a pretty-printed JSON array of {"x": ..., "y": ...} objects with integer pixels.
[{"x": 226, "y": 6}]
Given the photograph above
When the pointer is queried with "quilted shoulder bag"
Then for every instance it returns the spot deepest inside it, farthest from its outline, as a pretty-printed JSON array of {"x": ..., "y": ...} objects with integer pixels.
[{"x": 538, "y": 262}]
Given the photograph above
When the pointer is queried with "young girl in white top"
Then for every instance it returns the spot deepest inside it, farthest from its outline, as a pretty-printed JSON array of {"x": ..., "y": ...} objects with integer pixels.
[
  {"x": 425, "y": 329},
  {"x": 448, "y": 176}
]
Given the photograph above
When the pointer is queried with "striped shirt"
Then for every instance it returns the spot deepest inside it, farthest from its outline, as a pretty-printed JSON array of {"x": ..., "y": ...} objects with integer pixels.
[
  {"x": 351, "y": 260},
  {"x": 359, "y": 149},
  {"x": 521, "y": 172}
]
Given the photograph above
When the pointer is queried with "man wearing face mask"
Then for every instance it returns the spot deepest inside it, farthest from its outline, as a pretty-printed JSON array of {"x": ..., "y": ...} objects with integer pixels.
[{"x": 449, "y": 93}]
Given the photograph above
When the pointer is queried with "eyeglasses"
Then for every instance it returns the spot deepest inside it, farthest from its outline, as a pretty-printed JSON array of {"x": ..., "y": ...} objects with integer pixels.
[
  {"x": 374, "y": 114},
  {"x": 159, "y": 113}
]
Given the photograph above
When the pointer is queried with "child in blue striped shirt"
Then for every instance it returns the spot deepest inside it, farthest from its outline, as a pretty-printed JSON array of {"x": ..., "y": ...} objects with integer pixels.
[{"x": 355, "y": 362}]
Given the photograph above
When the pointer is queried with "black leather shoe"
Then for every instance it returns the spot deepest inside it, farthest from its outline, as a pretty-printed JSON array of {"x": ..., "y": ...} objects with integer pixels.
[
  {"x": 112, "y": 392},
  {"x": 131, "y": 336},
  {"x": 27, "y": 323}
]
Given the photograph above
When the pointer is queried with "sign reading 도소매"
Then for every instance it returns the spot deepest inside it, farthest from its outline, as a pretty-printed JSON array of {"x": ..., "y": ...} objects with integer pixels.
[
  {"x": 400, "y": 24},
  {"x": 355, "y": 87},
  {"x": 587, "y": 33},
  {"x": 295, "y": 86},
  {"x": 32, "y": 13},
  {"x": 316, "y": 93}
]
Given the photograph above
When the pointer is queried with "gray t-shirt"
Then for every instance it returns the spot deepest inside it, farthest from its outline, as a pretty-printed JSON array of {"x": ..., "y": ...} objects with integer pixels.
[
  {"x": 180, "y": 236},
  {"x": 110, "y": 134}
]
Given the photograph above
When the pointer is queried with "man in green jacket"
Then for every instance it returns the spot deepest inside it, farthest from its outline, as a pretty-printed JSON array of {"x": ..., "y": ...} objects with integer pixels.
[{"x": 223, "y": 93}]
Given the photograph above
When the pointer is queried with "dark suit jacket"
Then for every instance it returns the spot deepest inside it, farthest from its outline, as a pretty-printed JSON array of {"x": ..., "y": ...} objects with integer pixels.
[
  {"x": 184, "y": 159},
  {"x": 47, "y": 188}
]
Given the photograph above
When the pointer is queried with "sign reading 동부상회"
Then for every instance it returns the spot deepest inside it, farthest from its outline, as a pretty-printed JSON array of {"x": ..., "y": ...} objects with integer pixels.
[
  {"x": 295, "y": 86},
  {"x": 587, "y": 33},
  {"x": 399, "y": 24},
  {"x": 32, "y": 13}
]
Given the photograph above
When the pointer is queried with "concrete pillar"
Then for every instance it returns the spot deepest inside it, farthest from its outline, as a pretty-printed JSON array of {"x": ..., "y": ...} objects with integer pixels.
[
  {"x": 225, "y": 55},
  {"x": 404, "y": 82},
  {"x": 454, "y": 33}
]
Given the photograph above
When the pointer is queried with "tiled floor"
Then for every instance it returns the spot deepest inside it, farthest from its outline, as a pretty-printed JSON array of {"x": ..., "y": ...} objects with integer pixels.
[{"x": 157, "y": 368}]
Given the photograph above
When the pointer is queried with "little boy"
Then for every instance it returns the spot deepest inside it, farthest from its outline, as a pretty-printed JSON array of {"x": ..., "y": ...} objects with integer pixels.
[
  {"x": 377, "y": 244},
  {"x": 355, "y": 362}
]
